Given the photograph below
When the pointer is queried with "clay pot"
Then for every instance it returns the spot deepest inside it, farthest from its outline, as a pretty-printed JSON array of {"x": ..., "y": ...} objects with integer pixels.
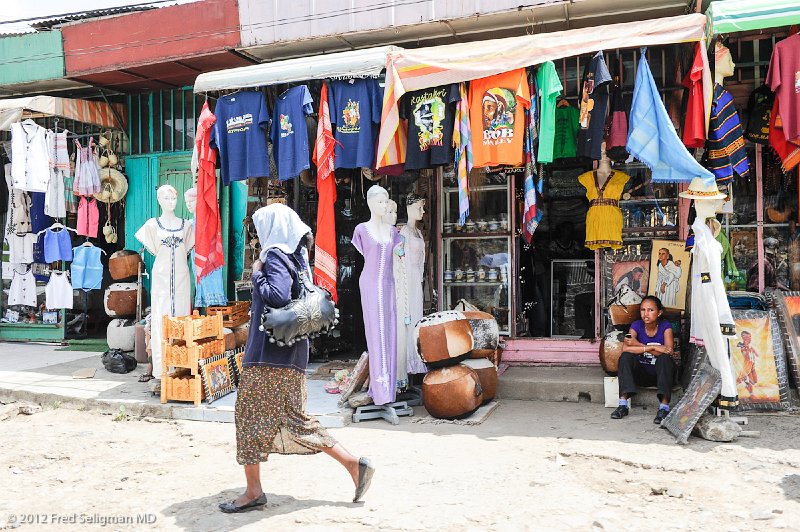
[
  {"x": 452, "y": 393},
  {"x": 487, "y": 373}
]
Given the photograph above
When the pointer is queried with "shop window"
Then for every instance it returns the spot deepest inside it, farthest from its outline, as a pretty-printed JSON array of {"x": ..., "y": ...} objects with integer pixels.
[{"x": 163, "y": 121}]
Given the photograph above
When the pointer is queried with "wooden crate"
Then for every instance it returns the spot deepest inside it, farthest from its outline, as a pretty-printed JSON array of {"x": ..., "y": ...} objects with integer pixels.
[
  {"x": 235, "y": 314},
  {"x": 177, "y": 354},
  {"x": 192, "y": 328},
  {"x": 182, "y": 386}
]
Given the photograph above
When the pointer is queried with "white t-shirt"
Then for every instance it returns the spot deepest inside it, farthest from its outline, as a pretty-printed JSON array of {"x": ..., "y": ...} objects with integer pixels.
[{"x": 20, "y": 248}]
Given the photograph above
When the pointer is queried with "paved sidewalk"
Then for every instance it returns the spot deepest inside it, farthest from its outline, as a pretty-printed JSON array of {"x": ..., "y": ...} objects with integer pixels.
[{"x": 42, "y": 374}]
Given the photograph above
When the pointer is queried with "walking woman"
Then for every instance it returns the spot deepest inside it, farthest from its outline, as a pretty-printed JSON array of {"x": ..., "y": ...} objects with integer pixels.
[{"x": 270, "y": 407}]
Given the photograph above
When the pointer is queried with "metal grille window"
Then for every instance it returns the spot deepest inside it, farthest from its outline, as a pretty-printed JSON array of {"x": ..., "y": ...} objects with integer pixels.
[{"x": 163, "y": 121}]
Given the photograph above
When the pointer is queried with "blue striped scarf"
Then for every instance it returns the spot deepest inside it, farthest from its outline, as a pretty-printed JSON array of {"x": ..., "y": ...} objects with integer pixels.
[{"x": 726, "y": 152}]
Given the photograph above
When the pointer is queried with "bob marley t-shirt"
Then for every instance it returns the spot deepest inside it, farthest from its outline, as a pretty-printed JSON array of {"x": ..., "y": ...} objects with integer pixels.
[
  {"x": 430, "y": 114},
  {"x": 355, "y": 109},
  {"x": 496, "y": 106}
]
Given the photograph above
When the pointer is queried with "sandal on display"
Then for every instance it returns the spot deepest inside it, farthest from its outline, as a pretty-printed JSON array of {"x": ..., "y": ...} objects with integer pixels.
[
  {"x": 146, "y": 377},
  {"x": 231, "y": 508}
]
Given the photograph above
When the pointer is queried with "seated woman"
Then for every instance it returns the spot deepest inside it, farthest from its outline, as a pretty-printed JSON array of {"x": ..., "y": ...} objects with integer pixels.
[{"x": 647, "y": 359}]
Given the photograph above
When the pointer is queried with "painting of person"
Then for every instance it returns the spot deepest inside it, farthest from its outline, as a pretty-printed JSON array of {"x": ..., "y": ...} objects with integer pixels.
[
  {"x": 635, "y": 280},
  {"x": 748, "y": 376},
  {"x": 668, "y": 282}
]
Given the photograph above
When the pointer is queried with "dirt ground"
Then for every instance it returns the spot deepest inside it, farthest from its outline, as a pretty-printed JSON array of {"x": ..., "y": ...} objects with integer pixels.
[{"x": 529, "y": 466}]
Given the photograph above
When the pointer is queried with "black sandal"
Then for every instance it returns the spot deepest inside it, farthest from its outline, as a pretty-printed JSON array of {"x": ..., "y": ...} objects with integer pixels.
[
  {"x": 231, "y": 508},
  {"x": 147, "y": 377}
]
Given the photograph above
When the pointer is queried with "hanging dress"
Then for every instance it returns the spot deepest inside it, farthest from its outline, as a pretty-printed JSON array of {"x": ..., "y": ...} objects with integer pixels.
[
  {"x": 604, "y": 218},
  {"x": 170, "y": 289},
  {"x": 87, "y": 170},
  {"x": 88, "y": 217},
  {"x": 57, "y": 245},
  {"x": 410, "y": 269},
  {"x": 18, "y": 216},
  {"x": 378, "y": 304},
  {"x": 86, "y": 268}
]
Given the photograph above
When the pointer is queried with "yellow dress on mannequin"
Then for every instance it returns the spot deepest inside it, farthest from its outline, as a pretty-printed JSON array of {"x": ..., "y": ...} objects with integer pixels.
[{"x": 604, "y": 218}]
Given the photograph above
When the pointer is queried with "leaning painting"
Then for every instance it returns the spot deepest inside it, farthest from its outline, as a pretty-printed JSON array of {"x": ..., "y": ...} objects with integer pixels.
[
  {"x": 702, "y": 391},
  {"x": 669, "y": 273},
  {"x": 787, "y": 307},
  {"x": 217, "y": 376},
  {"x": 758, "y": 361}
]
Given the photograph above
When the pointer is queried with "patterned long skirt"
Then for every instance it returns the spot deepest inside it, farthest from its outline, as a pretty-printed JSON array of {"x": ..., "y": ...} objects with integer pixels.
[{"x": 271, "y": 416}]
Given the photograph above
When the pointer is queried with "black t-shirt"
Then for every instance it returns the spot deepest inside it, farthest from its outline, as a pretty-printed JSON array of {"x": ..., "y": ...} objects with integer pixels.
[
  {"x": 759, "y": 109},
  {"x": 594, "y": 105},
  {"x": 430, "y": 114}
]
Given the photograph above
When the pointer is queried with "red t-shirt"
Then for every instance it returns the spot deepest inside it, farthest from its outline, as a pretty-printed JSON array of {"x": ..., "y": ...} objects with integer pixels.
[
  {"x": 694, "y": 127},
  {"x": 784, "y": 80},
  {"x": 497, "y": 118}
]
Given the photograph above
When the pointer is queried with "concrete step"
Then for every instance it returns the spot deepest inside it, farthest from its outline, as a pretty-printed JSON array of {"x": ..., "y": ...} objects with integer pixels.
[{"x": 565, "y": 384}]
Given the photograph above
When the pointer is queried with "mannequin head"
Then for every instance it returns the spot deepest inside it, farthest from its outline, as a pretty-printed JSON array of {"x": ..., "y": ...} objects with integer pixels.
[
  {"x": 723, "y": 63},
  {"x": 167, "y": 198},
  {"x": 190, "y": 197},
  {"x": 707, "y": 208},
  {"x": 378, "y": 202},
  {"x": 391, "y": 213},
  {"x": 415, "y": 206}
]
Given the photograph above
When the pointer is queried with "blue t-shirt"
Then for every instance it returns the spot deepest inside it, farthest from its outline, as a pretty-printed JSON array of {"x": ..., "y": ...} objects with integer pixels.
[
  {"x": 288, "y": 132},
  {"x": 642, "y": 336},
  {"x": 238, "y": 135},
  {"x": 355, "y": 108}
]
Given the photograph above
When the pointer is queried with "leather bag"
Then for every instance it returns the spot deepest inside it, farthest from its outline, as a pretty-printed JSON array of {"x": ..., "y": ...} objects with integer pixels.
[{"x": 307, "y": 316}]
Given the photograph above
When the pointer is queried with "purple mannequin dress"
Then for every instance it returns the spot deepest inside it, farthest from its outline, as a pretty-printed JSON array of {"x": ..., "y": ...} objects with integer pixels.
[{"x": 378, "y": 303}]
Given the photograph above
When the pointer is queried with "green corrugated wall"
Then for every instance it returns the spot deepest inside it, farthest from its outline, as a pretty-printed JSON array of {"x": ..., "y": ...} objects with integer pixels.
[{"x": 31, "y": 57}]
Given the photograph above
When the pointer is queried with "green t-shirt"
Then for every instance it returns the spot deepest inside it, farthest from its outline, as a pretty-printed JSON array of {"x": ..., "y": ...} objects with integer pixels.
[
  {"x": 566, "y": 135},
  {"x": 548, "y": 88}
]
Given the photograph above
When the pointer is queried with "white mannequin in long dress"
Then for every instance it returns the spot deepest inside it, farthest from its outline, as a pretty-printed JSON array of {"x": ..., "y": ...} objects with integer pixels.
[
  {"x": 409, "y": 264},
  {"x": 399, "y": 287},
  {"x": 169, "y": 239}
]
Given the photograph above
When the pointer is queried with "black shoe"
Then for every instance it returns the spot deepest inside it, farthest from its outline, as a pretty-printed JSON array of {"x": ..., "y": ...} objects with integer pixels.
[
  {"x": 231, "y": 508},
  {"x": 365, "y": 472},
  {"x": 660, "y": 415},
  {"x": 620, "y": 412}
]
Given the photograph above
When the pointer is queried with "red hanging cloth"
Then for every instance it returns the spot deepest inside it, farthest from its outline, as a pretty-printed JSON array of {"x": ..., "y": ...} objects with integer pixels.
[{"x": 208, "y": 255}]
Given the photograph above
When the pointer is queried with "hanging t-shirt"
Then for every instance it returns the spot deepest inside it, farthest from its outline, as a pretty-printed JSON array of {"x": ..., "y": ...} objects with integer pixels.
[
  {"x": 20, "y": 248},
  {"x": 694, "y": 125},
  {"x": 759, "y": 111},
  {"x": 288, "y": 132},
  {"x": 497, "y": 118},
  {"x": 548, "y": 87},
  {"x": 238, "y": 135},
  {"x": 784, "y": 79},
  {"x": 430, "y": 114},
  {"x": 566, "y": 133},
  {"x": 355, "y": 109},
  {"x": 594, "y": 105}
]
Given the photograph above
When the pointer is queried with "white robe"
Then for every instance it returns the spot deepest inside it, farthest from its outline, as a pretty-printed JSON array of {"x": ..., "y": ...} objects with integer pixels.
[
  {"x": 711, "y": 316},
  {"x": 669, "y": 277},
  {"x": 170, "y": 284}
]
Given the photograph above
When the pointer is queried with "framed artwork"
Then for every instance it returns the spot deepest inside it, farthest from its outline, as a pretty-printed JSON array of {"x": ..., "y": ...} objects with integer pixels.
[
  {"x": 236, "y": 356},
  {"x": 217, "y": 376},
  {"x": 787, "y": 308},
  {"x": 702, "y": 391},
  {"x": 622, "y": 269},
  {"x": 669, "y": 273},
  {"x": 758, "y": 362}
]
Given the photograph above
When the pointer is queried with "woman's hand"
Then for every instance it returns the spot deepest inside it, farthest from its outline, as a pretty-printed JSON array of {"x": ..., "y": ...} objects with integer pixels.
[
  {"x": 660, "y": 350},
  {"x": 258, "y": 266}
]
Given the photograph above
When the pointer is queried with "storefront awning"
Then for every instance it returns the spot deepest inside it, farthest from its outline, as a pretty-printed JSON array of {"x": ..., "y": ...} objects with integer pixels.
[
  {"x": 86, "y": 111},
  {"x": 408, "y": 70},
  {"x": 368, "y": 62},
  {"x": 741, "y": 15}
]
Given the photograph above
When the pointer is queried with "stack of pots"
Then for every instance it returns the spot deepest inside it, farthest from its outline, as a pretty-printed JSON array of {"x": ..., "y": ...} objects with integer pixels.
[
  {"x": 456, "y": 346},
  {"x": 120, "y": 299}
]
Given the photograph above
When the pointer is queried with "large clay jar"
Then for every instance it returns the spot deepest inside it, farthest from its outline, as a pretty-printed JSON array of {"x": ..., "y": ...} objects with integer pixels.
[
  {"x": 487, "y": 374},
  {"x": 610, "y": 350},
  {"x": 124, "y": 264},
  {"x": 120, "y": 300},
  {"x": 121, "y": 334},
  {"x": 443, "y": 338},
  {"x": 453, "y": 392},
  {"x": 485, "y": 334}
]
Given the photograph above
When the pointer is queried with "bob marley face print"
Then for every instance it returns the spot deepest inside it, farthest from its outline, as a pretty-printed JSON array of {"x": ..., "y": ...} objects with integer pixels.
[{"x": 499, "y": 106}]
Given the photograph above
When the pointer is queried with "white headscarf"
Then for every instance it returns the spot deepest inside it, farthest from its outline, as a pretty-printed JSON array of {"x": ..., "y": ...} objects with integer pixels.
[{"x": 278, "y": 226}]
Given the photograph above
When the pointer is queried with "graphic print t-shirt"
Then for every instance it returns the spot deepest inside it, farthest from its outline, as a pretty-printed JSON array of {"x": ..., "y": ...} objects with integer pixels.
[
  {"x": 355, "y": 108},
  {"x": 238, "y": 135},
  {"x": 288, "y": 132},
  {"x": 430, "y": 114},
  {"x": 594, "y": 105},
  {"x": 497, "y": 105}
]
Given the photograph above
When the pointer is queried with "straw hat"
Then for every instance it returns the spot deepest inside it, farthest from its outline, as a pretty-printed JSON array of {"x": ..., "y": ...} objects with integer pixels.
[
  {"x": 113, "y": 186},
  {"x": 698, "y": 189}
]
